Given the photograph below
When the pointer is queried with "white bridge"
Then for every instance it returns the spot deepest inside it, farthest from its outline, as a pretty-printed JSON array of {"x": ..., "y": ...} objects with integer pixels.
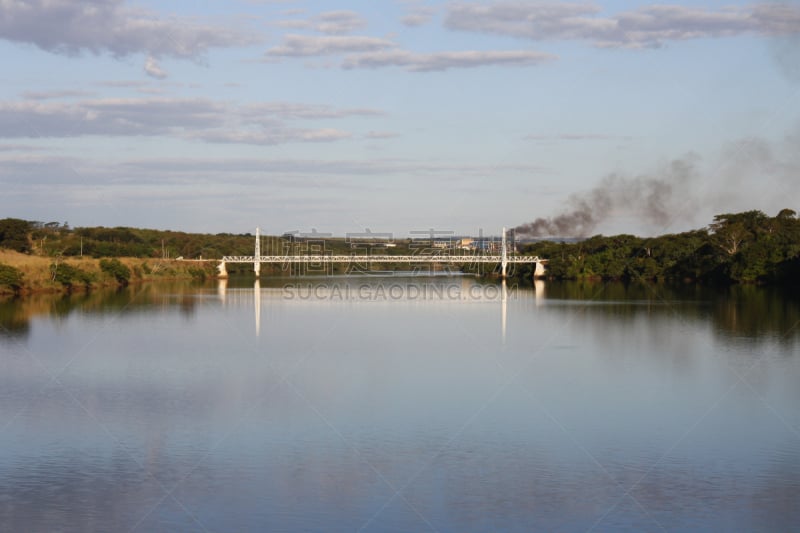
[{"x": 503, "y": 259}]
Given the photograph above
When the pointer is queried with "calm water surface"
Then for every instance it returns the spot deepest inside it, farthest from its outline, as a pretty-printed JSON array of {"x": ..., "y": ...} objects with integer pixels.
[{"x": 441, "y": 404}]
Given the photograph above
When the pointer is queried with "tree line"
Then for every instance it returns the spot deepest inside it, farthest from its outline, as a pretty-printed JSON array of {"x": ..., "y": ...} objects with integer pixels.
[
  {"x": 736, "y": 247},
  {"x": 55, "y": 239}
]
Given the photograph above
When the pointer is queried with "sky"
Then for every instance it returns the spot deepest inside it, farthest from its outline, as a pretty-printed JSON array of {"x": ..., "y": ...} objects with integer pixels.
[{"x": 397, "y": 115}]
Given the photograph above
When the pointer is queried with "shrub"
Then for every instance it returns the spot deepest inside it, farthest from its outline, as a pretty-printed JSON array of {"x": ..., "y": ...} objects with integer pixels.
[
  {"x": 197, "y": 273},
  {"x": 14, "y": 234},
  {"x": 68, "y": 275},
  {"x": 115, "y": 268},
  {"x": 10, "y": 276}
]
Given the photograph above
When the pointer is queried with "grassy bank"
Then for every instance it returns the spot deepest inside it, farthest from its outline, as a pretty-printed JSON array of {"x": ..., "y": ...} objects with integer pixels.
[{"x": 46, "y": 274}]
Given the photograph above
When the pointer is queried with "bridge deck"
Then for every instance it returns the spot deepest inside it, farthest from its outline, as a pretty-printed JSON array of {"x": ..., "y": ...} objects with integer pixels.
[{"x": 443, "y": 258}]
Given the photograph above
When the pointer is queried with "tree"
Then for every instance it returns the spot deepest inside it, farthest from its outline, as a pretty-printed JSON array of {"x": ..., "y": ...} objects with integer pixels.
[
  {"x": 115, "y": 268},
  {"x": 732, "y": 231},
  {"x": 68, "y": 275},
  {"x": 10, "y": 277},
  {"x": 14, "y": 234}
]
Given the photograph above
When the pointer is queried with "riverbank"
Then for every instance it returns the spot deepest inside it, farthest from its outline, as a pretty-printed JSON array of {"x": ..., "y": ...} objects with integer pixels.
[{"x": 75, "y": 274}]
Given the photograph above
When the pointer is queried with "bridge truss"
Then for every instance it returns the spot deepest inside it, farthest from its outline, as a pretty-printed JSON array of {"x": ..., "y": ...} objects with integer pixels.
[{"x": 444, "y": 257}]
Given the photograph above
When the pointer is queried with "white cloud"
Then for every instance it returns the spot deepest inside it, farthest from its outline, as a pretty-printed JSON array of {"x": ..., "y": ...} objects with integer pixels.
[
  {"x": 289, "y": 111},
  {"x": 323, "y": 135},
  {"x": 649, "y": 26},
  {"x": 122, "y": 84},
  {"x": 337, "y": 22},
  {"x": 51, "y": 95},
  {"x": 578, "y": 137},
  {"x": 440, "y": 61},
  {"x": 374, "y": 52},
  {"x": 111, "y": 116},
  {"x": 19, "y": 148},
  {"x": 331, "y": 23},
  {"x": 153, "y": 69},
  {"x": 309, "y": 45},
  {"x": 293, "y": 12},
  {"x": 265, "y": 123},
  {"x": 417, "y": 15},
  {"x": 381, "y": 135},
  {"x": 97, "y": 26},
  {"x": 271, "y": 136},
  {"x": 416, "y": 19},
  {"x": 150, "y": 90},
  {"x": 182, "y": 171}
]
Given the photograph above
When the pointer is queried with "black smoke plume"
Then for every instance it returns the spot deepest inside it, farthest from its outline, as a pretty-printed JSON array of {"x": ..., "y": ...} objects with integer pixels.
[{"x": 655, "y": 199}]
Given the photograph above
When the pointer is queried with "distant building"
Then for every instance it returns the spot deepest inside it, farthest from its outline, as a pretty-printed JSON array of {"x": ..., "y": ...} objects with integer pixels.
[
  {"x": 373, "y": 244},
  {"x": 486, "y": 245},
  {"x": 489, "y": 245}
]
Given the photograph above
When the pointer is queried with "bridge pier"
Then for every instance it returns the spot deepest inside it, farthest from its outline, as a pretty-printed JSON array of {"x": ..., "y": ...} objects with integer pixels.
[{"x": 222, "y": 272}]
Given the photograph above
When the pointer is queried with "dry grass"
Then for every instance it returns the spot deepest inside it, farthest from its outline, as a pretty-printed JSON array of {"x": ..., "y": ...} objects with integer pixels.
[
  {"x": 19, "y": 260},
  {"x": 38, "y": 276},
  {"x": 36, "y": 269}
]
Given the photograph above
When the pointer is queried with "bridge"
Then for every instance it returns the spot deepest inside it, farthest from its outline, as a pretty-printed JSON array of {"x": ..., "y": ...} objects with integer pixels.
[{"x": 503, "y": 259}]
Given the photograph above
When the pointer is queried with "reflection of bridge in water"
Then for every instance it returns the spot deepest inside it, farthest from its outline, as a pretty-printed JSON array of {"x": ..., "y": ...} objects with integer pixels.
[
  {"x": 359, "y": 260},
  {"x": 243, "y": 295}
]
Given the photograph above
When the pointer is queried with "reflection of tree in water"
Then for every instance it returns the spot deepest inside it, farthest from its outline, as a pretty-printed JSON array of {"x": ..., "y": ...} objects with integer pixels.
[
  {"x": 756, "y": 312},
  {"x": 14, "y": 323},
  {"x": 187, "y": 305},
  {"x": 63, "y": 306},
  {"x": 747, "y": 312},
  {"x": 16, "y": 313},
  {"x": 741, "y": 311}
]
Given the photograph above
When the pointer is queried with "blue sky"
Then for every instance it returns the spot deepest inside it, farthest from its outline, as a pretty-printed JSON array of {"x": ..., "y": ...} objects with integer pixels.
[{"x": 397, "y": 115}]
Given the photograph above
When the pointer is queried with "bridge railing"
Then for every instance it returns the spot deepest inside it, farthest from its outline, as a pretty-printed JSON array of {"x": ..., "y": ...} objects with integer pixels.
[{"x": 437, "y": 258}]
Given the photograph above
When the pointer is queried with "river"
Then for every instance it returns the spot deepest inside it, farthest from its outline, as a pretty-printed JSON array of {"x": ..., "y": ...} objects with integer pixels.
[{"x": 401, "y": 404}]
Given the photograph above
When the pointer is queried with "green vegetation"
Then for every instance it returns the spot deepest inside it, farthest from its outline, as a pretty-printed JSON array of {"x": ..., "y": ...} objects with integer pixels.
[
  {"x": 27, "y": 273},
  {"x": 68, "y": 275},
  {"x": 52, "y": 238},
  {"x": 10, "y": 277},
  {"x": 115, "y": 268},
  {"x": 14, "y": 234},
  {"x": 748, "y": 247}
]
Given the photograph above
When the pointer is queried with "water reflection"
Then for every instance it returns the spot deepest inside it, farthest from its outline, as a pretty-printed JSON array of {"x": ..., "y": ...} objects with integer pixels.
[
  {"x": 518, "y": 486},
  {"x": 14, "y": 321},
  {"x": 739, "y": 313},
  {"x": 222, "y": 289},
  {"x": 539, "y": 291},
  {"x": 504, "y": 310},
  {"x": 257, "y": 303},
  {"x": 310, "y": 425},
  {"x": 17, "y": 313}
]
